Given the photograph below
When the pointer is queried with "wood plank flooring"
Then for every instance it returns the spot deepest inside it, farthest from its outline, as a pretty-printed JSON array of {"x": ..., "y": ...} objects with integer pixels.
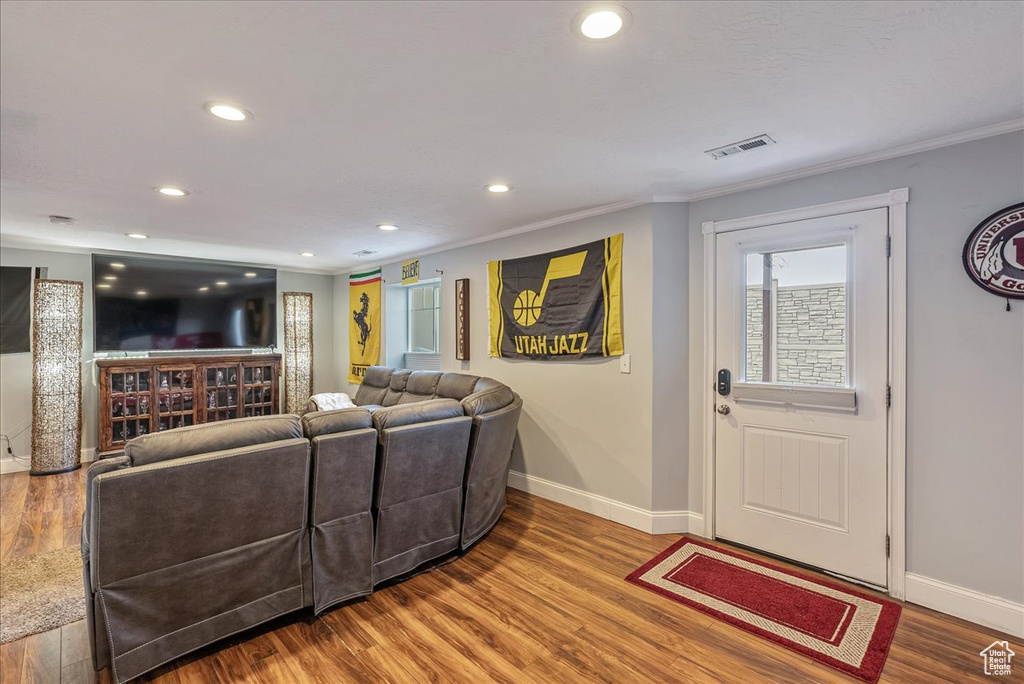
[{"x": 541, "y": 599}]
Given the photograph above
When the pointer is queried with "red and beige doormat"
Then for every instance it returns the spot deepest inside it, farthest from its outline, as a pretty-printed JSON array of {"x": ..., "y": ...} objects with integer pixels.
[{"x": 848, "y": 630}]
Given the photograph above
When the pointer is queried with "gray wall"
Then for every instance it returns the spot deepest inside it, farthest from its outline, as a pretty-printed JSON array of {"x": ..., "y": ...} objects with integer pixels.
[
  {"x": 670, "y": 348},
  {"x": 16, "y": 369},
  {"x": 965, "y": 460},
  {"x": 322, "y": 288},
  {"x": 584, "y": 424}
]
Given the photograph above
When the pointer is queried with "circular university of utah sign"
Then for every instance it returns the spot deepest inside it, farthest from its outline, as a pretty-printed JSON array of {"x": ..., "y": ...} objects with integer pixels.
[{"x": 994, "y": 253}]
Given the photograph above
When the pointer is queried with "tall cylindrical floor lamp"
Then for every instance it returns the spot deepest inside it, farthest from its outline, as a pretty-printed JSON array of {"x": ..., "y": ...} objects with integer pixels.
[
  {"x": 298, "y": 351},
  {"x": 56, "y": 376}
]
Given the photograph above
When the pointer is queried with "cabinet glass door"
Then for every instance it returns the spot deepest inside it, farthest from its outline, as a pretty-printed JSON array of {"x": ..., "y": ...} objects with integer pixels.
[
  {"x": 130, "y": 404},
  {"x": 221, "y": 392},
  {"x": 258, "y": 394},
  {"x": 175, "y": 397}
]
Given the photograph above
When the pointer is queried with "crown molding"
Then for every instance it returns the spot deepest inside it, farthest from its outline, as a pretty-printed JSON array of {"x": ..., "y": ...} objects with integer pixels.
[
  {"x": 850, "y": 162},
  {"x": 519, "y": 230},
  {"x": 75, "y": 249}
]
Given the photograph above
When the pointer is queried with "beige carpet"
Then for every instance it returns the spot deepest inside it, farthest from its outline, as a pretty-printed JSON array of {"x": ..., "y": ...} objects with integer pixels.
[{"x": 40, "y": 592}]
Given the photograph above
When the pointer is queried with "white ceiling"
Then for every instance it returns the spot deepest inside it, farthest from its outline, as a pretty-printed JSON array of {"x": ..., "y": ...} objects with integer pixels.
[{"x": 402, "y": 111}]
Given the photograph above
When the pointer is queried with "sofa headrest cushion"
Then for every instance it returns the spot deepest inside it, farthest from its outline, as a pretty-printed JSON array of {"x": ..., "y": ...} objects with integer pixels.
[
  {"x": 490, "y": 399},
  {"x": 456, "y": 385},
  {"x": 378, "y": 376},
  {"x": 210, "y": 437},
  {"x": 420, "y": 412},
  {"x": 423, "y": 383},
  {"x": 374, "y": 387},
  {"x": 399, "y": 380},
  {"x": 330, "y": 422}
]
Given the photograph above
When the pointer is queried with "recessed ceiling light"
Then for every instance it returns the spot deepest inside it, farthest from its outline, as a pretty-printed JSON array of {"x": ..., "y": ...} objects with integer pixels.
[
  {"x": 306, "y": 254},
  {"x": 137, "y": 236},
  {"x": 171, "y": 191},
  {"x": 498, "y": 187},
  {"x": 228, "y": 112},
  {"x": 204, "y": 288},
  {"x": 602, "y": 21},
  {"x": 387, "y": 226},
  {"x": 116, "y": 265},
  {"x": 221, "y": 283},
  {"x": 110, "y": 277},
  {"x": 250, "y": 274},
  {"x": 142, "y": 293},
  {"x": 105, "y": 286}
]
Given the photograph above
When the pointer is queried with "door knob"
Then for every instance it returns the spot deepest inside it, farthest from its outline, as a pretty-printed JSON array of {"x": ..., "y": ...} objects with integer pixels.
[{"x": 724, "y": 409}]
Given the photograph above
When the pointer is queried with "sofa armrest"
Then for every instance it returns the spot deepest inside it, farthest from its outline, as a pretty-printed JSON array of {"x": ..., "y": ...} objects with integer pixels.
[
  {"x": 96, "y": 469},
  {"x": 487, "y": 400}
]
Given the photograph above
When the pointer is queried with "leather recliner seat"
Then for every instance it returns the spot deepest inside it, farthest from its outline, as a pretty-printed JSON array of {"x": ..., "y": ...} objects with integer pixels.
[
  {"x": 192, "y": 535},
  {"x": 344, "y": 449},
  {"x": 494, "y": 409}
]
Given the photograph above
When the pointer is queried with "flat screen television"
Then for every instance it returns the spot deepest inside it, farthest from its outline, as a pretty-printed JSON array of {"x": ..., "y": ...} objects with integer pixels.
[{"x": 147, "y": 304}]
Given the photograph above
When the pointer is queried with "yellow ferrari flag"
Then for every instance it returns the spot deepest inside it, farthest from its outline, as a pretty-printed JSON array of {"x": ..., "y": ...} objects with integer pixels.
[{"x": 364, "y": 328}]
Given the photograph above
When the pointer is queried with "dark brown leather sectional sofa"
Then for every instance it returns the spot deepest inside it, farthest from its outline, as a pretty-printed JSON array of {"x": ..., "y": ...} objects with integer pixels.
[{"x": 198, "y": 533}]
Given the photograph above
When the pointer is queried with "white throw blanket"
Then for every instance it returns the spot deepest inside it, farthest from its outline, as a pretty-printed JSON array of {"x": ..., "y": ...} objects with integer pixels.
[{"x": 329, "y": 401}]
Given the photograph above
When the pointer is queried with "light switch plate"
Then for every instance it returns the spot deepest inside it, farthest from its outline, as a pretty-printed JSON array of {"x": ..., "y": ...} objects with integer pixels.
[{"x": 624, "y": 363}]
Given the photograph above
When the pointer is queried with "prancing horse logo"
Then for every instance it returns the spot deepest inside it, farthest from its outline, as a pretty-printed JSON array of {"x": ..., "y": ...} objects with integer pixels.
[{"x": 360, "y": 319}]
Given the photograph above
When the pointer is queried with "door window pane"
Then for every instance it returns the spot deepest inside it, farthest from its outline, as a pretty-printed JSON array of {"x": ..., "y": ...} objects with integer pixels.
[{"x": 795, "y": 326}]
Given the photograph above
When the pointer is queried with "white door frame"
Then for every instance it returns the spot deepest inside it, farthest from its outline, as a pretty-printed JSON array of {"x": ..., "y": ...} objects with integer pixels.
[{"x": 896, "y": 202}]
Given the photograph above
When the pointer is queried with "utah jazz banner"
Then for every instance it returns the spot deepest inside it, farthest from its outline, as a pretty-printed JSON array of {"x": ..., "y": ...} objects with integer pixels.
[
  {"x": 364, "y": 327},
  {"x": 560, "y": 305}
]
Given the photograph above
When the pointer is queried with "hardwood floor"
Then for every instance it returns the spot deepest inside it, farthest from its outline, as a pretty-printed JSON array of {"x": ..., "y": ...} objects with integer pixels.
[{"x": 541, "y": 599}]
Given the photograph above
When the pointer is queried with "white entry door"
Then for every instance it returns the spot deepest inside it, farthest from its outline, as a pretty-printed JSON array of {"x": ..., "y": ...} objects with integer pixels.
[{"x": 800, "y": 436}]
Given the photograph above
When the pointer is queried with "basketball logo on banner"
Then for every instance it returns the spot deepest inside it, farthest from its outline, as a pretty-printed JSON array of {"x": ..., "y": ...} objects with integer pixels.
[{"x": 529, "y": 304}]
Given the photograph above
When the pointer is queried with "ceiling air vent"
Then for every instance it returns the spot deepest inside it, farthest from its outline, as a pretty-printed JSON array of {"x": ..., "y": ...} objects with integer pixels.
[
  {"x": 741, "y": 146},
  {"x": 363, "y": 253},
  {"x": 67, "y": 220}
]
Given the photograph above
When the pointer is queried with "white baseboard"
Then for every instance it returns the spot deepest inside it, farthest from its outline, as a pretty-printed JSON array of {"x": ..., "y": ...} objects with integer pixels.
[
  {"x": 652, "y": 522},
  {"x": 991, "y": 611},
  {"x": 676, "y": 522},
  {"x": 9, "y": 465}
]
